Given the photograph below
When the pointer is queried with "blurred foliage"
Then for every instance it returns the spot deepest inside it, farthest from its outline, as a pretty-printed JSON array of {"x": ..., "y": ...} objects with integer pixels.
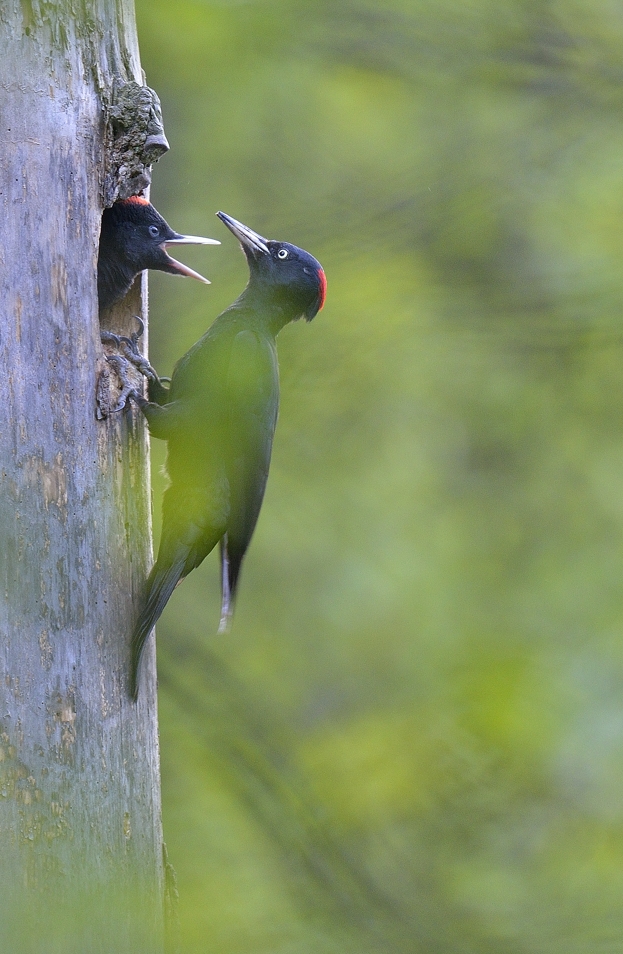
[{"x": 413, "y": 739}]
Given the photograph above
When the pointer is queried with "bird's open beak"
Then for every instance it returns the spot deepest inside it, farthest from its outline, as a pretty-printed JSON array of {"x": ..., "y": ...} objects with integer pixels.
[
  {"x": 250, "y": 240},
  {"x": 179, "y": 267}
]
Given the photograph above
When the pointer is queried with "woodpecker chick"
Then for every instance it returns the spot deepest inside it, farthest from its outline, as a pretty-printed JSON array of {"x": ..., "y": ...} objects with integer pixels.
[
  {"x": 133, "y": 237},
  {"x": 219, "y": 417}
]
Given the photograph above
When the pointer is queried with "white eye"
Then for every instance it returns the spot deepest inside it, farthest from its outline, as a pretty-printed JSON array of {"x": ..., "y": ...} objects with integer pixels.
[
  {"x": 154, "y": 230},
  {"x": 282, "y": 253}
]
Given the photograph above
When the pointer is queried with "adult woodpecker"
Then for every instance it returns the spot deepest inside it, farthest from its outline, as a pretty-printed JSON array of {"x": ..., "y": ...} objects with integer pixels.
[
  {"x": 134, "y": 237},
  {"x": 219, "y": 417}
]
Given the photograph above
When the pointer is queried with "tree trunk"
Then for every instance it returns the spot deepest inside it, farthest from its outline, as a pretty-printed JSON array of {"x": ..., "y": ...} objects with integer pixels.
[{"x": 80, "y": 831}]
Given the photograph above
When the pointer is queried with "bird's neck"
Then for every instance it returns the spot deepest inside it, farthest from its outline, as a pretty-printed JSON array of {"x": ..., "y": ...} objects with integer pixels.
[
  {"x": 115, "y": 276},
  {"x": 267, "y": 310}
]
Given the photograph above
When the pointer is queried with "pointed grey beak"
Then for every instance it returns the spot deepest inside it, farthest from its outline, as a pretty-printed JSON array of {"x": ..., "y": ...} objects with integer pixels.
[
  {"x": 191, "y": 240},
  {"x": 179, "y": 267},
  {"x": 250, "y": 240}
]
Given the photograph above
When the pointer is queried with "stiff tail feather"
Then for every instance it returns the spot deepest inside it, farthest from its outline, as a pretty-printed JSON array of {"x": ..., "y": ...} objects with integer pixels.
[
  {"x": 160, "y": 584},
  {"x": 227, "y": 609},
  {"x": 230, "y": 571}
]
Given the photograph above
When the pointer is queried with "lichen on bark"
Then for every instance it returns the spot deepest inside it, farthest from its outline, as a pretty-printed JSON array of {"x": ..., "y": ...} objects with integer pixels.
[{"x": 135, "y": 140}]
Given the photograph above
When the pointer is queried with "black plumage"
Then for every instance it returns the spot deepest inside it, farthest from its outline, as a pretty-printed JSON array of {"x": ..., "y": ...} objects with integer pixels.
[
  {"x": 219, "y": 419},
  {"x": 133, "y": 237}
]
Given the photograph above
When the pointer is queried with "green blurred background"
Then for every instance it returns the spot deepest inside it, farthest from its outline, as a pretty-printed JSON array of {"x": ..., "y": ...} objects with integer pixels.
[{"x": 413, "y": 739}]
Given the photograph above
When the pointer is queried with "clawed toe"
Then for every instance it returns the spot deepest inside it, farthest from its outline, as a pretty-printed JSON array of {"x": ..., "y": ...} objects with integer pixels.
[
  {"x": 128, "y": 346},
  {"x": 108, "y": 338},
  {"x": 128, "y": 390},
  {"x": 127, "y": 360}
]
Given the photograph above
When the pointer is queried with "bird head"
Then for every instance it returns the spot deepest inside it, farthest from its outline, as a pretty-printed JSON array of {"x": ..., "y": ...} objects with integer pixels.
[
  {"x": 281, "y": 273},
  {"x": 141, "y": 238}
]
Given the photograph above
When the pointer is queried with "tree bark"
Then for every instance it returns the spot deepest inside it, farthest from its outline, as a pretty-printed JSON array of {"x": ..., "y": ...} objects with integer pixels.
[{"x": 80, "y": 831}]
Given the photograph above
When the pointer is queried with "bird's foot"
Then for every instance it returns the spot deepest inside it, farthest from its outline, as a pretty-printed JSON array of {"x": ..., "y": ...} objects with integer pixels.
[
  {"x": 126, "y": 361},
  {"x": 123, "y": 369},
  {"x": 130, "y": 350},
  {"x": 128, "y": 346}
]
